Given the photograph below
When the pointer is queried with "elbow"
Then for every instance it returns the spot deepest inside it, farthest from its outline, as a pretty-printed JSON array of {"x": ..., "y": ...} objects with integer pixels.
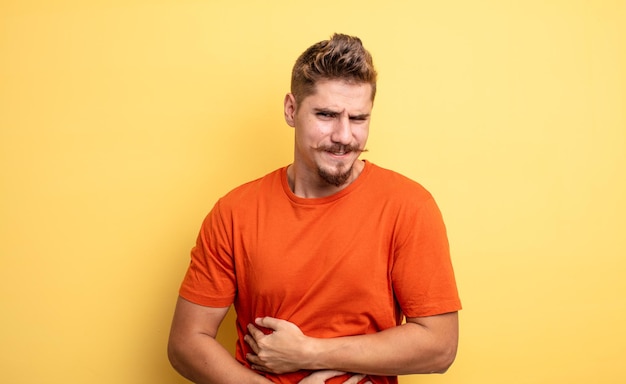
[
  {"x": 172, "y": 355},
  {"x": 178, "y": 355},
  {"x": 436, "y": 359},
  {"x": 444, "y": 358},
  {"x": 175, "y": 357}
]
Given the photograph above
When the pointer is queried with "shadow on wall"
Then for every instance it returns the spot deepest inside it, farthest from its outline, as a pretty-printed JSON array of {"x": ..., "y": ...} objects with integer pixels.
[{"x": 227, "y": 335}]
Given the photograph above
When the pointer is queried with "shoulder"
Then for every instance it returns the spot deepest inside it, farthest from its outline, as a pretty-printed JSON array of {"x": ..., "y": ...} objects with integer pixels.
[
  {"x": 266, "y": 186},
  {"x": 394, "y": 184}
]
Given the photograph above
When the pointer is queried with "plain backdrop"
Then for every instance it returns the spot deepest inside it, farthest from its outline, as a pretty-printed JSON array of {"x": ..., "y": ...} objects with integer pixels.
[{"x": 122, "y": 122}]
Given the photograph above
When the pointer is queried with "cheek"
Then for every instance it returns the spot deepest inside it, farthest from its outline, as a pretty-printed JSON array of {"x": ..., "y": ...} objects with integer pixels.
[
  {"x": 361, "y": 133},
  {"x": 314, "y": 131}
]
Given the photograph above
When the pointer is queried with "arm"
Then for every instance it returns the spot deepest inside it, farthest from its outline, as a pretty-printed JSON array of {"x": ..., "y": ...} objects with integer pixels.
[
  {"x": 421, "y": 345},
  {"x": 194, "y": 352}
]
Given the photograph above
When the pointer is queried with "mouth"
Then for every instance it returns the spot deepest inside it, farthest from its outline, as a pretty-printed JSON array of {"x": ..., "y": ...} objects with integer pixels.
[
  {"x": 339, "y": 155},
  {"x": 340, "y": 150}
]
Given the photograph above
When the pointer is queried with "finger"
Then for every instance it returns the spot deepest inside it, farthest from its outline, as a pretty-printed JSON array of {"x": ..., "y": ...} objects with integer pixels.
[
  {"x": 255, "y": 332},
  {"x": 256, "y": 363},
  {"x": 326, "y": 374},
  {"x": 252, "y": 343},
  {"x": 252, "y": 359},
  {"x": 354, "y": 379},
  {"x": 259, "y": 368},
  {"x": 269, "y": 322}
]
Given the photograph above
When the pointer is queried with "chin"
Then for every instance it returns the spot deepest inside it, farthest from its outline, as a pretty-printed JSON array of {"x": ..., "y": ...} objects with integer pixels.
[{"x": 337, "y": 177}]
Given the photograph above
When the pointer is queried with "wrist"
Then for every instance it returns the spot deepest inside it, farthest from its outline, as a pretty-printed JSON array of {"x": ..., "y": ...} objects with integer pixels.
[{"x": 313, "y": 354}]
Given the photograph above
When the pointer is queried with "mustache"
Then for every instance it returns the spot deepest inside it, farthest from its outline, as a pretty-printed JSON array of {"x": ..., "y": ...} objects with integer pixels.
[{"x": 340, "y": 148}]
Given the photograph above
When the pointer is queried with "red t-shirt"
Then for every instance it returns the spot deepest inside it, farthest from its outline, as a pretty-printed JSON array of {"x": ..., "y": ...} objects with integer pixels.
[{"x": 348, "y": 264}]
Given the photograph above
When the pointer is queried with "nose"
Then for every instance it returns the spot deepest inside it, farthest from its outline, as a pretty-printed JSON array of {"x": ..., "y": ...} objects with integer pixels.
[{"x": 342, "y": 131}]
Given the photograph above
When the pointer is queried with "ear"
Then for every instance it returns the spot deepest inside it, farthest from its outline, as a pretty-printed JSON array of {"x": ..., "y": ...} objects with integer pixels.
[{"x": 290, "y": 109}]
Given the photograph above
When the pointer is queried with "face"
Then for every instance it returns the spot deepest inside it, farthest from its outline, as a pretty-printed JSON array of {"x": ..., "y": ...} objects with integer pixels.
[{"x": 331, "y": 129}]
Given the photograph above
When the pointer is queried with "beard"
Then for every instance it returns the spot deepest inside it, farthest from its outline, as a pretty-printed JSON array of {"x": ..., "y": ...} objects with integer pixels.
[
  {"x": 337, "y": 179},
  {"x": 340, "y": 176}
]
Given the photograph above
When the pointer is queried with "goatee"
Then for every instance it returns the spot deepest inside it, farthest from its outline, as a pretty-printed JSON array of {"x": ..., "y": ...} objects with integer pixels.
[
  {"x": 336, "y": 179},
  {"x": 339, "y": 178}
]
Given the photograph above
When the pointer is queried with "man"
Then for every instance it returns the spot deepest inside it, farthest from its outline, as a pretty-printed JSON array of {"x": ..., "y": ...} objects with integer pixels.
[{"x": 322, "y": 259}]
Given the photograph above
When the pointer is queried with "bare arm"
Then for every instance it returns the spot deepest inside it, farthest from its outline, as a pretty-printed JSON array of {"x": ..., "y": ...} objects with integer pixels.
[
  {"x": 194, "y": 352},
  {"x": 422, "y": 345}
]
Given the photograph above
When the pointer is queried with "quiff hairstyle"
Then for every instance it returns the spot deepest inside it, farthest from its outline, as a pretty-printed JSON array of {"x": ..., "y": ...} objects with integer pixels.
[{"x": 342, "y": 57}]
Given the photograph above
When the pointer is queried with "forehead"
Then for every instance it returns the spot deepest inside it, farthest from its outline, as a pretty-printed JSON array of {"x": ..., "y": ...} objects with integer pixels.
[{"x": 340, "y": 94}]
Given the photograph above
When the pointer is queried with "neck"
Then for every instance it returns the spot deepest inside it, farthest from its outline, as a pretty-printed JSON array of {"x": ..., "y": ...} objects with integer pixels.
[{"x": 307, "y": 185}]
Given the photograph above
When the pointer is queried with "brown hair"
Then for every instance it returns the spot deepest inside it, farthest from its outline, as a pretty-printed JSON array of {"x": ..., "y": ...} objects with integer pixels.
[{"x": 342, "y": 57}]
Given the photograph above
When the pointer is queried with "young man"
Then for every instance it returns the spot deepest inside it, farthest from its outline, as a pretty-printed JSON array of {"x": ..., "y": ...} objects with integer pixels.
[{"x": 322, "y": 259}]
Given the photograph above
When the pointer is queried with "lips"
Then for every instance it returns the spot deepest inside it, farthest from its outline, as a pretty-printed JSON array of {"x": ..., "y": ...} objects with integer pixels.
[
  {"x": 339, "y": 154},
  {"x": 339, "y": 150}
]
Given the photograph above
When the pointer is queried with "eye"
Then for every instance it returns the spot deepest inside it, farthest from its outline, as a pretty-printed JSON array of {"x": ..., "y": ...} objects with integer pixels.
[
  {"x": 326, "y": 114},
  {"x": 358, "y": 119}
]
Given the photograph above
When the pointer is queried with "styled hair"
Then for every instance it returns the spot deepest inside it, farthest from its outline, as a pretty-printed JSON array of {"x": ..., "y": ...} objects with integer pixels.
[{"x": 342, "y": 57}]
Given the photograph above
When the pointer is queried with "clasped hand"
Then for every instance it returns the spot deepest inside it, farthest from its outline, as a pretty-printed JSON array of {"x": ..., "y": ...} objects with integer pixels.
[
  {"x": 285, "y": 350},
  {"x": 282, "y": 351}
]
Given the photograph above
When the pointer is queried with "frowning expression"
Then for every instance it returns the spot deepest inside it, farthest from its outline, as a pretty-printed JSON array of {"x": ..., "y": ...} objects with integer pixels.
[{"x": 331, "y": 129}]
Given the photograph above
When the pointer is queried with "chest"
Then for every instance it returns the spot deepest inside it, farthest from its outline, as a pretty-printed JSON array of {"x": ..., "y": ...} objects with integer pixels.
[{"x": 338, "y": 252}]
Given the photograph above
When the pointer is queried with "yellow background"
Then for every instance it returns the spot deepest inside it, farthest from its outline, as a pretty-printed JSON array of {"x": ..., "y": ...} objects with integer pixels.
[{"x": 121, "y": 123}]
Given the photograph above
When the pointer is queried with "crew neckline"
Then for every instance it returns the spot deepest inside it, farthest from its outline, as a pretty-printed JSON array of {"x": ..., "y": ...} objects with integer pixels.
[{"x": 327, "y": 199}]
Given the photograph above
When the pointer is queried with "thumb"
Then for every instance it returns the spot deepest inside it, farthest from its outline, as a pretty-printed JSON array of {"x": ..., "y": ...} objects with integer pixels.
[{"x": 269, "y": 322}]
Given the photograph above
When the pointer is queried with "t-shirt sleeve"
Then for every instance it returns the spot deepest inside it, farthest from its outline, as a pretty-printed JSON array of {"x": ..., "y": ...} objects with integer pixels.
[
  {"x": 423, "y": 277},
  {"x": 210, "y": 279}
]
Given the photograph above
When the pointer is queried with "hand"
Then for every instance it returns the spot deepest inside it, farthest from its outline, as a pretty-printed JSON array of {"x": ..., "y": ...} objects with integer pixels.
[
  {"x": 320, "y": 377},
  {"x": 281, "y": 351}
]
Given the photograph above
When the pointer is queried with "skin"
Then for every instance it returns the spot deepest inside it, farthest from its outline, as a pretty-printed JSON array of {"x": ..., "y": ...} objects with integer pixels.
[
  {"x": 196, "y": 355},
  {"x": 331, "y": 129},
  {"x": 321, "y": 377},
  {"x": 194, "y": 352},
  {"x": 421, "y": 345}
]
